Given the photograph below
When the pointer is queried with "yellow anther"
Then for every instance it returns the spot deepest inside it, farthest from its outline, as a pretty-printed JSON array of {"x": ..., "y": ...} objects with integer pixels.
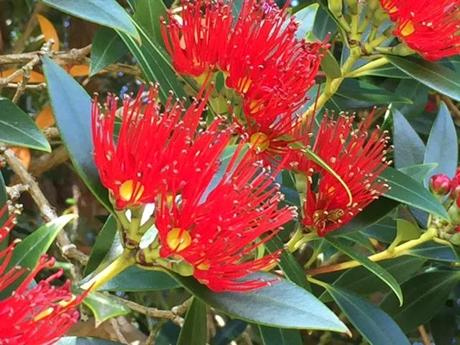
[
  {"x": 393, "y": 10},
  {"x": 204, "y": 266},
  {"x": 44, "y": 314},
  {"x": 131, "y": 191},
  {"x": 259, "y": 141},
  {"x": 408, "y": 29},
  {"x": 244, "y": 84},
  {"x": 178, "y": 239}
]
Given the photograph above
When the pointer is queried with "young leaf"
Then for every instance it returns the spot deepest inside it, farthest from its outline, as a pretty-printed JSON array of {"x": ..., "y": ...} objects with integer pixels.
[
  {"x": 409, "y": 148},
  {"x": 72, "y": 109},
  {"x": 434, "y": 75},
  {"x": 372, "y": 322},
  {"x": 375, "y": 268},
  {"x": 17, "y": 128},
  {"x": 442, "y": 145},
  {"x": 408, "y": 191},
  {"x": 194, "y": 331},
  {"x": 104, "y": 12},
  {"x": 282, "y": 304},
  {"x": 106, "y": 49}
]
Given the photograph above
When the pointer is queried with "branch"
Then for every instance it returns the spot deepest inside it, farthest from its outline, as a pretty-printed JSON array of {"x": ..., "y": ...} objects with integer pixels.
[{"x": 48, "y": 161}]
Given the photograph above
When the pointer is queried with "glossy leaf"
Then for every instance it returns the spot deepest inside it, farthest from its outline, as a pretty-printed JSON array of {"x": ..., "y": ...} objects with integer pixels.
[
  {"x": 194, "y": 331},
  {"x": 419, "y": 172},
  {"x": 363, "y": 91},
  {"x": 135, "y": 279},
  {"x": 424, "y": 296},
  {"x": 148, "y": 15},
  {"x": 104, "y": 241},
  {"x": 3, "y": 199},
  {"x": 276, "y": 336},
  {"x": 84, "y": 341},
  {"x": 306, "y": 19},
  {"x": 373, "y": 323},
  {"x": 444, "y": 325},
  {"x": 72, "y": 109},
  {"x": 283, "y": 304},
  {"x": 104, "y": 307},
  {"x": 231, "y": 331},
  {"x": 406, "y": 231},
  {"x": 375, "y": 268},
  {"x": 408, "y": 191},
  {"x": 434, "y": 75},
  {"x": 107, "y": 48},
  {"x": 17, "y": 128},
  {"x": 442, "y": 145},
  {"x": 104, "y": 12},
  {"x": 409, "y": 148},
  {"x": 435, "y": 251}
]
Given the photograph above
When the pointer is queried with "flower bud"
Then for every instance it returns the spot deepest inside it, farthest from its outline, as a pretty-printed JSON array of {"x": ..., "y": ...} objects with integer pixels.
[{"x": 440, "y": 184}]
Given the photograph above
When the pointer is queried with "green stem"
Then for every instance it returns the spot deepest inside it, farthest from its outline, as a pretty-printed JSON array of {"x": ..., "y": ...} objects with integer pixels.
[
  {"x": 367, "y": 67},
  {"x": 121, "y": 263},
  {"x": 389, "y": 253}
]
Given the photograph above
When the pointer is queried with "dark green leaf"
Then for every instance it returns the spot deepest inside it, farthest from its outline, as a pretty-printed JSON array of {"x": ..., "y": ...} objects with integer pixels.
[
  {"x": 102, "y": 245},
  {"x": 435, "y": 251},
  {"x": 443, "y": 135},
  {"x": 436, "y": 76},
  {"x": 72, "y": 110},
  {"x": 17, "y": 128},
  {"x": 84, "y": 341},
  {"x": 363, "y": 91},
  {"x": 424, "y": 296},
  {"x": 375, "y": 268},
  {"x": 408, "y": 191},
  {"x": 104, "y": 12},
  {"x": 419, "y": 171},
  {"x": 282, "y": 304},
  {"x": 409, "y": 148},
  {"x": 148, "y": 14},
  {"x": 104, "y": 307},
  {"x": 106, "y": 49},
  {"x": 231, "y": 331},
  {"x": 3, "y": 199},
  {"x": 195, "y": 330},
  {"x": 444, "y": 326},
  {"x": 168, "y": 335},
  {"x": 276, "y": 336},
  {"x": 136, "y": 279},
  {"x": 373, "y": 323}
]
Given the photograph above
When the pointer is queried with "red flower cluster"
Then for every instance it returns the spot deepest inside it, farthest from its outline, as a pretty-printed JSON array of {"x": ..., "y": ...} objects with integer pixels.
[
  {"x": 38, "y": 315},
  {"x": 212, "y": 222},
  {"x": 357, "y": 157},
  {"x": 432, "y": 28},
  {"x": 258, "y": 52}
]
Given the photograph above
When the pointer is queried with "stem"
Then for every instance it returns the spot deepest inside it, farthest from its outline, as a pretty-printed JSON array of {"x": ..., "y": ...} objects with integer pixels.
[
  {"x": 121, "y": 263},
  {"x": 367, "y": 67},
  {"x": 400, "y": 250}
]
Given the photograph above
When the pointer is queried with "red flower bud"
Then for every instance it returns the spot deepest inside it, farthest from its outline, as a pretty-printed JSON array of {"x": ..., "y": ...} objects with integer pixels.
[{"x": 440, "y": 184}]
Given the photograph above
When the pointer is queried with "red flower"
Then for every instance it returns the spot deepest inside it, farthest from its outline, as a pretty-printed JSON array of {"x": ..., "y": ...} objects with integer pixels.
[
  {"x": 262, "y": 60},
  {"x": 38, "y": 315},
  {"x": 358, "y": 157},
  {"x": 429, "y": 27},
  {"x": 151, "y": 144},
  {"x": 216, "y": 224}
]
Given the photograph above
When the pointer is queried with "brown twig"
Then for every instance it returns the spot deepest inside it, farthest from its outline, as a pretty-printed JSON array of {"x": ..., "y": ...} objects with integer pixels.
[
  {"x": 29, "y": 28},
  {"x": 48, "y": 161},
  {"x": 452, "y": 107},
  {"x": 424, "y": 335},
  {"x": 68, "y": 249}
]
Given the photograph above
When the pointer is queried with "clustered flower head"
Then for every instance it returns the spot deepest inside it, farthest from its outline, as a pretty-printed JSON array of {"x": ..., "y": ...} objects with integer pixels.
[
  {"x": 39, "y": 315},
  {"x": 260, "y": 56},
  {"x": 432, "y": 28},
  {"x": 357, "y": 156}
]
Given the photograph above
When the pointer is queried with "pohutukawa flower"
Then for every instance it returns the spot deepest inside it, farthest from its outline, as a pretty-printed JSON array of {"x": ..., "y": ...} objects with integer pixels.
[
  {"x": 217, "y": 222},
  {"x": 261, "y": 58},
  {"x": 432, "y": 28},
  {"x": 38, "y": 315},
  {"x": 357, "y": 156},
  {"x": 152, "y": 143}
]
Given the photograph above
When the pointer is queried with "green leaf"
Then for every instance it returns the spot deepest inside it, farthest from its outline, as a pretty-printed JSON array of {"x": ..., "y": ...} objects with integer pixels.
[
  {"x": 373, "y": 323},
  {"x": 231, "y": 331},
  {"x": 3, "y": 200},
  {"x": 84, "y": 341},
  {"x": 28, "y": 252},
  {"x": 384, "y": 71},
  {"x": 306, "y": 19},
  {"x": 106, "y": 49},
  {"x": 282, "y": 304},
  {"x": 103, "y": 243},
  {"x": 276, "y": 336},
  {"x": 104, "y": 307},
  {"x": 444, "y": 326},
  {"x": 104, "y": 12},
  {"x": 72, "y": 110},
  {"x": 363, "y": 91},
  {"x": 375, "y": 268},
  {"x": 405, "y": 231},
  {"x": 195, "y": 330},
  {"x": 424, "y": 296},
  {"x": 17, "y": 128},
  {"x": 435, "y": 251},
  {"x": 148, "y": 15},
  {"x": 409, "y": 148},
  {"x": 433, "y": 75},
  {"x": 408, "y": 191},
  {"x": 418, "y": 172},
  {"x": 135, "y": 279},
  {"x": 442, "y": 136}
]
